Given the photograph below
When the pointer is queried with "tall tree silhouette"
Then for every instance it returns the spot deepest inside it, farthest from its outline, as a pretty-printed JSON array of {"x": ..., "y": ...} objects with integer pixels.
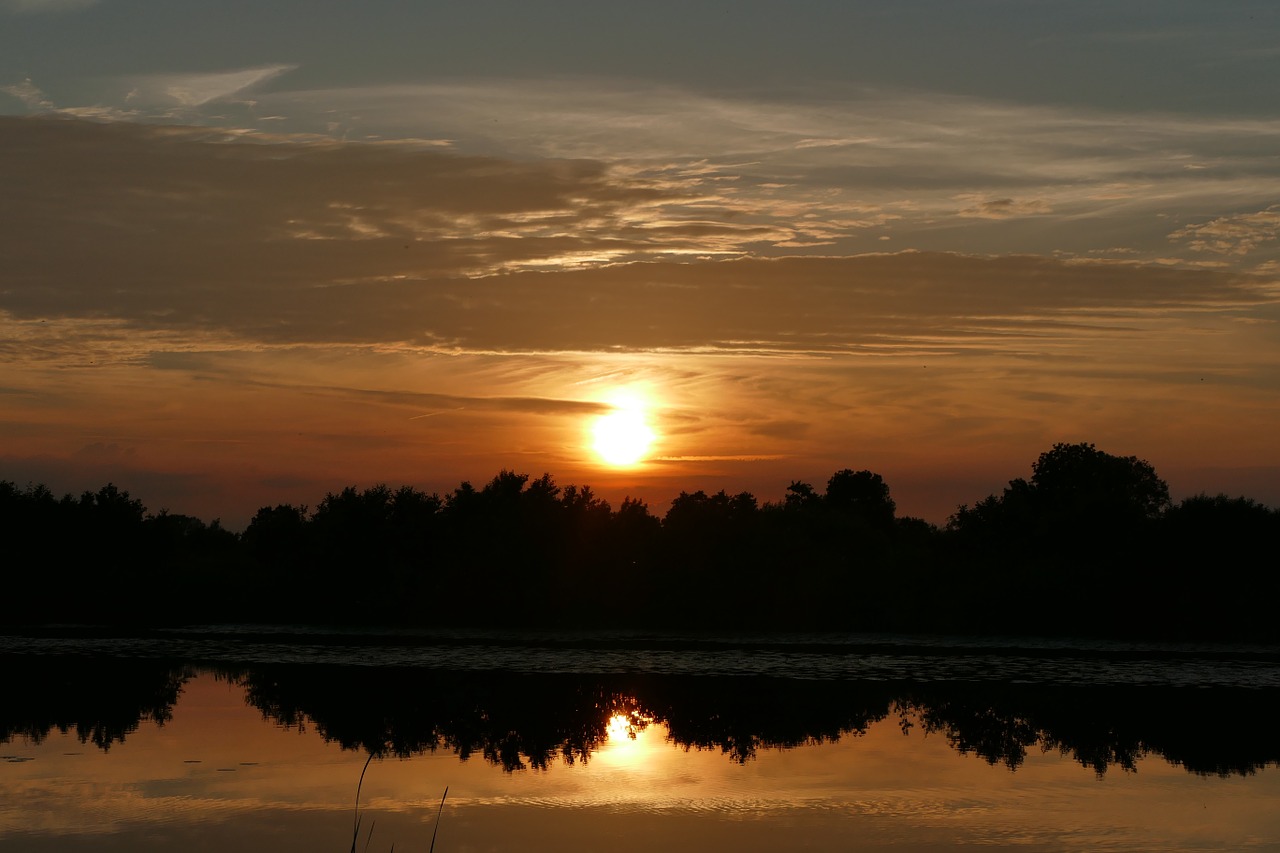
[{"x": 1069, "y": 548}]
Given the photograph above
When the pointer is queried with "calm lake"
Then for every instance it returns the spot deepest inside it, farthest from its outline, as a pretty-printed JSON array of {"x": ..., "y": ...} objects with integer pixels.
[{"x": 254, "y": 739}]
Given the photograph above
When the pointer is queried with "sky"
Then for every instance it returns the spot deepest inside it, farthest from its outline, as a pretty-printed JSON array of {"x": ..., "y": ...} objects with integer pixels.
[{"x": 251, "y": 253}]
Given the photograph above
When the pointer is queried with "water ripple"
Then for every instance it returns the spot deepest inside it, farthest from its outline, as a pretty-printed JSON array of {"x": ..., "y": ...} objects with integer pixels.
[{"x": 796, "y": 656}]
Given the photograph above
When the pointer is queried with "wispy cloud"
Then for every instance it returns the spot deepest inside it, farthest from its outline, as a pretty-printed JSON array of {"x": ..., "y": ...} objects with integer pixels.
[
  {"x": 196, "y": 90},
  {"x": 30, "y": 95},
  {"x": 282, "y": 241},
  {"x": 441, "y": 403},
  {"x": 980, "y": 207},
  {"x": 852, "y": 127},
  {"x": 828, "y": 157},
  {"x": 1237, "y": 234},
  {"x": 836, "y": 172}
]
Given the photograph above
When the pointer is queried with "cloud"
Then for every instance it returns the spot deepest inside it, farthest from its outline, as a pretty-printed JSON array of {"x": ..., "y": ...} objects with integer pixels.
[
  {"x": 134, "y": 239},
  {"x": 30, "y": 95},
  {"x": 159, "y": 205},
  {"x": 808, "y": 174},
  {"x": 889, "y": 136},
  {"x": 1237, "y": 234},
  {"x": 1002, "y": 208},
  {"x": 441, "y": 403},
  {"x": 195, "y": 90},
  {"x": 810, "y": 160},
  {"x": 830, "y": 153}
]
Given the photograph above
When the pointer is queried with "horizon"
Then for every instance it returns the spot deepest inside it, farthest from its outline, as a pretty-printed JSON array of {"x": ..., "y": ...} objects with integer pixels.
[
  {"x": 645, "y": 250},
  {"x": 656, "y": 509}
]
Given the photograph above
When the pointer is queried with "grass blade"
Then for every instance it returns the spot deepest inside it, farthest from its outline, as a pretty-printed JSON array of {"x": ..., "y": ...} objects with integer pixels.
[
  {"x": 355, "y": 831},
  {"x": 437, "y": 827}
]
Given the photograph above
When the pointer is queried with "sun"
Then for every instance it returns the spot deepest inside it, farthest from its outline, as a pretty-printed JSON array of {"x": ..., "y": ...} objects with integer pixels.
[{"x": 622, "y": 437}]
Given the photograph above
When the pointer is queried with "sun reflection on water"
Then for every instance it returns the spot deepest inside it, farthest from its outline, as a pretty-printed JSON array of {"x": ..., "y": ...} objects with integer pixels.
[{"x": 631, "y": 739}]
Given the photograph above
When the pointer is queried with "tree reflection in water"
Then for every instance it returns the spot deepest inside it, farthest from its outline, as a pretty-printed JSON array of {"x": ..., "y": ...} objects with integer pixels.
[{"x": 518, "y": 721}]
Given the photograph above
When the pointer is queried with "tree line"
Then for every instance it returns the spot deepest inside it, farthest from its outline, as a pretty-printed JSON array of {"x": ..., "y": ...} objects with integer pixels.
[{"x": 1089, "y": 544}]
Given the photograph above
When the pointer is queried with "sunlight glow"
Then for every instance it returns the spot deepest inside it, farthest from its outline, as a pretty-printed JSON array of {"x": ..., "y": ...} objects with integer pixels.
[
  {"x": 633, "y": 741},
  {"x": 620, "y": 727},
  {"x": 623, "y": 436}
]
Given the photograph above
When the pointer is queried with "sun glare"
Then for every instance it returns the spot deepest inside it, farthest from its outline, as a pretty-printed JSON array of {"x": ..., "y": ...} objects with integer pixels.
[
  {"x": 632, "y": 741},
  {"x": 619, "y": 727},
  {"x": 623, "y": 436}
]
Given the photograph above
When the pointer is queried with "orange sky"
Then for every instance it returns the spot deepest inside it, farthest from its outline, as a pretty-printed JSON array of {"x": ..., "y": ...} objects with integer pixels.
[{"x": 218, "y": 298}]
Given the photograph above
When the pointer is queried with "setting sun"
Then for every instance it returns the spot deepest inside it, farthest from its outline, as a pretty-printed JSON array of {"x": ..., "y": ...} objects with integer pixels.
[{"x": 623, "y": 436}]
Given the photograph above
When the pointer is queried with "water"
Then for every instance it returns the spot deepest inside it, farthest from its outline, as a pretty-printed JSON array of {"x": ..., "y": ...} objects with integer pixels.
[{"x": 223, "y": 737}]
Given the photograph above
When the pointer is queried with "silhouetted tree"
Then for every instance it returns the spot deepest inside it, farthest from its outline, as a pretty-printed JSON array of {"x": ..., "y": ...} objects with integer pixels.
[
  {"x": 632, "y": 543},
  {"x": 104, "y": 541},
  {"x": 276, "y": 536},
  {"x": 502, "y": 545},
  {"x": 801, "y": 497},
  {"x": 1080, "y": 480},
  {"x": 1068, "y": 549},
  {"x": 1218, "y": 562},
  {"x": 710, "y": 562},
  {"x": 863, "y": 495},
  {"x": 36, "y": 533}
]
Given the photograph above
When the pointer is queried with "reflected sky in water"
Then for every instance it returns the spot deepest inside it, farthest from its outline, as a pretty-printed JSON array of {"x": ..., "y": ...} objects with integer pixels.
[{"x": 220, "y": 775}]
